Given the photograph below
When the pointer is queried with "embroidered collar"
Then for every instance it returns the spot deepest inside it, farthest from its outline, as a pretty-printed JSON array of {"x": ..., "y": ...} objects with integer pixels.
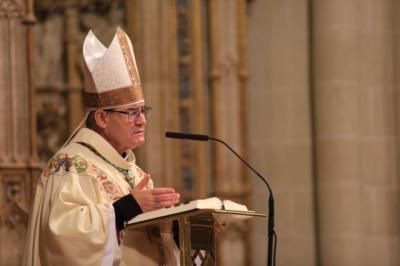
[
  {"x": 101, "y": 145},
  {"x": 126, "y": 172}
]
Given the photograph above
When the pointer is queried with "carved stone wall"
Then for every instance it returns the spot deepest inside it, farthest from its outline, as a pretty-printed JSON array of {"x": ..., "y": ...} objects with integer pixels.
[
  {"x": 59, "y": 33},
  {"x": 323, "y": 113},
  {"x": 191, "y": 62},
  {"x": 18, "y": 160},
  {"x": 14, "y": 205}
]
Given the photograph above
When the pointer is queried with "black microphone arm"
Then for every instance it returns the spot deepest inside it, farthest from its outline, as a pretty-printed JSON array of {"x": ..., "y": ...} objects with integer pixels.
[{"x": 272, "y": 238}]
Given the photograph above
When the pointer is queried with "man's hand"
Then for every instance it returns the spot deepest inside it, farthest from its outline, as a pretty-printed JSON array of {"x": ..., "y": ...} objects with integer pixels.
[{"x": 156, "y": 198}]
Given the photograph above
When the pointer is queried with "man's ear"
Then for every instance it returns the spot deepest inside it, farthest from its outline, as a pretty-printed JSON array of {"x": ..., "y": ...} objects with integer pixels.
[{"x": 101, "y": 119}]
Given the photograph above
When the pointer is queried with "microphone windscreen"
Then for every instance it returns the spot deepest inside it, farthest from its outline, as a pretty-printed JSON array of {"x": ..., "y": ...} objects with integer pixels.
[{"x": 181, "y": 135}]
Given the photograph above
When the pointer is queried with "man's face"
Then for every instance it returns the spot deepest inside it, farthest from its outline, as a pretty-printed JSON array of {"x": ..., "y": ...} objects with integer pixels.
[{"x": 125, "y": 131}]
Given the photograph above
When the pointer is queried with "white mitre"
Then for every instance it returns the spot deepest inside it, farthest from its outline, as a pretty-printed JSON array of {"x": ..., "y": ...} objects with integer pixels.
[{"x": 111, "y": 75}]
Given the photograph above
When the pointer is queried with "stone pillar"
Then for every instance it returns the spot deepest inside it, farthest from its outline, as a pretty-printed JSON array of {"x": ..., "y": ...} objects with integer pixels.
[
  {"x": 354, "y": 111},
  {"x": 154, "y": 42},
  {"x": 151, "y": 76},
  {"x": 17, "y": 136},
  {"x": 228, "y": 74},
  {"x": 379, "y": 131},
  {"x": 280, "y": 128},
  {"x": 179, "y": 53},
  {"x": 225, "y": 92},
  {"x": 73, "y": 45}
]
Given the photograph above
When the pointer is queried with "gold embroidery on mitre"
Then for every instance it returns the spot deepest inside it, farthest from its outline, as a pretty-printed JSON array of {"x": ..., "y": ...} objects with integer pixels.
[
  {"x": 114, "y": 95},
  {"x": 113, "y": 98},
  {"x": 131, "y": 66}
]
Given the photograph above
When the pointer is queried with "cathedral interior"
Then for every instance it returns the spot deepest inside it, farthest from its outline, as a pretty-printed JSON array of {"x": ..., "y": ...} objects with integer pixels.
[{"x": 307, "y": 91}]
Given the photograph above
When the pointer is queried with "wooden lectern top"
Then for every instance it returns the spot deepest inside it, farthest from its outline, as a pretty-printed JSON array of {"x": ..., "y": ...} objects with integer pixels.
[{"x": 224, "y": 211}]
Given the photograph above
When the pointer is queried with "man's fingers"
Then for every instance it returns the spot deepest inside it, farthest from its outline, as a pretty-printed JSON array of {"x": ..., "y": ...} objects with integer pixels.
[
  {"x": 168, "y": 200},
  {"x": 155, "y": 198},
  {"x": 142, "y": 184},
  {"x": 168, "y": 203},
  {"x": 167, "y": 197},
  {"x": 162, "y": 190}
]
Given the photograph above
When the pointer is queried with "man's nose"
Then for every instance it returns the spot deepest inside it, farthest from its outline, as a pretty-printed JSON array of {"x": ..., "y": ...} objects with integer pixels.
[{"x": 141, "y": 119}]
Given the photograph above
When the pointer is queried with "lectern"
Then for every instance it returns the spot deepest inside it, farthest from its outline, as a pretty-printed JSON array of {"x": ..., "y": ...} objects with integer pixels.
[{"x": 197, "y": 241}]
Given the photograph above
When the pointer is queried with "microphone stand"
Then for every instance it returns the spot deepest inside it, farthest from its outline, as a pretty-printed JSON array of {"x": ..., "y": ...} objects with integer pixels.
[
  {"x": 271, "y": 249},
  {"x": 272, "y": 238}
]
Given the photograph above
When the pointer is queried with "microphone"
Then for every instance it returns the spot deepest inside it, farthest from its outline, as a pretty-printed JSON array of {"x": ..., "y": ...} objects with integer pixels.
[
  {"x": 272, "y": 237},
  {"x": 180, "y": 135}
]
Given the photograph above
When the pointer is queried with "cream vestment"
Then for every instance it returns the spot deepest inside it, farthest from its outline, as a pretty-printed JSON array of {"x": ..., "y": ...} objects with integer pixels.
[{"x": 73, "y": 218}]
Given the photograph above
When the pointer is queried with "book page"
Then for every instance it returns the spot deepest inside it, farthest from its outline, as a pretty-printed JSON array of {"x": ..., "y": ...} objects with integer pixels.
[
  {"x": 233, "y": 206},
  {"x": 212, "y": 203}
]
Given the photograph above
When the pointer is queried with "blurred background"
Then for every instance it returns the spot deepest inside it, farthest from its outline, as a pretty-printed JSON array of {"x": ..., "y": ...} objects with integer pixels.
[{"x": 306, "y": 90}]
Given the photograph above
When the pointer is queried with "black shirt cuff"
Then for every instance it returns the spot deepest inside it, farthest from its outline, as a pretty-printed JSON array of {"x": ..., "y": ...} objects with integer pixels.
[{"x": 125, "y": 209}]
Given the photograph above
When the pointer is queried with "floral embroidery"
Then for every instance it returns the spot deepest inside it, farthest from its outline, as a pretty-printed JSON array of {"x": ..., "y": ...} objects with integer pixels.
[
  {"x": 102, "y": 177},
  {"x": 66, "y": 162},
  {"x": 76, "y": 163},
  {"x": 62, "y": 160},
  {"x": 126, "y": 172},
  {"x": 79, "y": 163},
  {"x": 109, "y": 187},
  {"x": 112, "y": 190}
]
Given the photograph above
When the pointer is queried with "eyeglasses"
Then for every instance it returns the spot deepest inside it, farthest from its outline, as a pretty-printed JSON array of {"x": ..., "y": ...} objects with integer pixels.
[{"x": 133, "y": 115}]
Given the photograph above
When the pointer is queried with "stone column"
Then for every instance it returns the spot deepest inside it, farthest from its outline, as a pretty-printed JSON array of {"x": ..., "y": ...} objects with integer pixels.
[
  {"x": 228, "y": 77},
  {"x": 18, "y": 158},
  {"x": 74, "y": 92},
  {"x": 153, "y": 37},
  {"x": 380, "y": 128},
  {"x": 354, "y": 112},
  {"x": 280, "y": 128}
]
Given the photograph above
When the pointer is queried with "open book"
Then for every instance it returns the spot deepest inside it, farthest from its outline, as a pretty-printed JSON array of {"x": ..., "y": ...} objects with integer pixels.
[{"x": 213, "y": 203}]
